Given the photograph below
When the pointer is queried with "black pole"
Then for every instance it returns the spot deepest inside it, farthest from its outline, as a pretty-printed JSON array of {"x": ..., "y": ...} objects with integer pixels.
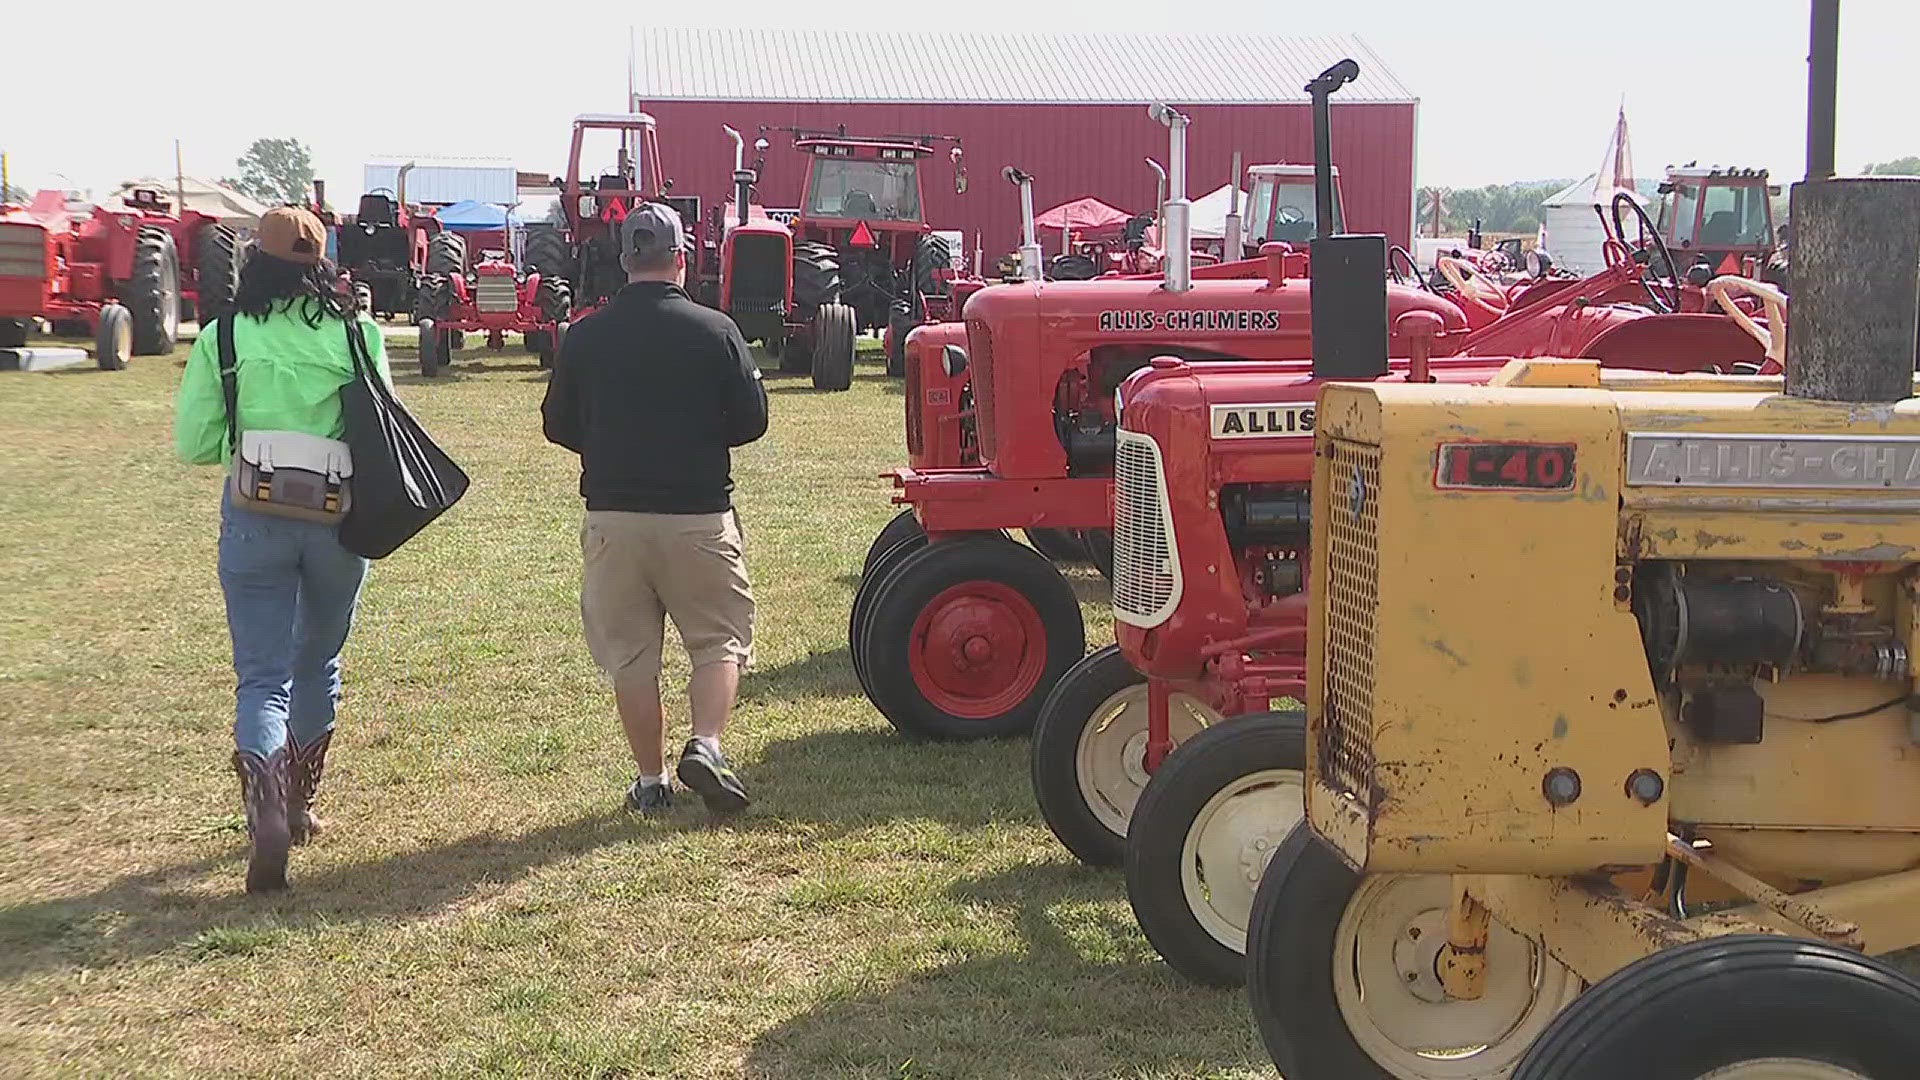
[
  {"x": 1823, "y": 67},
  {"x": 1321, "y": 91}
]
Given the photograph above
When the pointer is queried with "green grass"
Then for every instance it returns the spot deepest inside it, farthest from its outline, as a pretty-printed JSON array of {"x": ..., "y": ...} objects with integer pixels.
[{"x": 479, "y": 904}]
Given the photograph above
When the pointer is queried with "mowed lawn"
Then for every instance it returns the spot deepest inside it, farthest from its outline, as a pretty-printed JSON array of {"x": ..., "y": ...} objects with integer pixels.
[{"x": 480, "y": 904}]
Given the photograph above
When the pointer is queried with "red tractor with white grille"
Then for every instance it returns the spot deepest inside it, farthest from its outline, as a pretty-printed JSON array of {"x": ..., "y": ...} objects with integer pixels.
[
  {"x": 122, "y": 273},
  {"x": 487, "y": 294}
]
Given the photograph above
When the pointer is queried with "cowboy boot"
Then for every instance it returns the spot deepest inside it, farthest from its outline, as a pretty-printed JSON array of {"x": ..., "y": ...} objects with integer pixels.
[
  {"x": 304, "y": 768},
  {"x": 263, "y": 789}
]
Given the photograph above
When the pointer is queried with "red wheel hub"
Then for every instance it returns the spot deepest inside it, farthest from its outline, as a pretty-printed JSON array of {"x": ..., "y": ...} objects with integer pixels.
[{"x": 978, "y": 650}]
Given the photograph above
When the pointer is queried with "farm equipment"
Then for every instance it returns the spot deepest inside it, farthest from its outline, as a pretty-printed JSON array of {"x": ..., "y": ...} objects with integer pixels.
[
  {"x": 958, "y": 632},
  {"x": 125, "y": 273},
  {"x": 584, "y": 252},
  {"x": 864, "y": 255},
  {"x": 1718, "y": 219},
  {"x": 486, "y": 294},
  {"x": 1676, "y": 765},
  {"x": 384, "y": 246}
]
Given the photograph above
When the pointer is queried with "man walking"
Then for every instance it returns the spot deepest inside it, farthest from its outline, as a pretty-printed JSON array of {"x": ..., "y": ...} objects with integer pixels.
[{"x": 651, "y": 391}]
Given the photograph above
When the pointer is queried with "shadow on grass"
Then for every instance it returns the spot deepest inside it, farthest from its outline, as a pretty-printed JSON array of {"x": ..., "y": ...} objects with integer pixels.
[
  {"x": 821, "y": 674},
  {"x": 1082, "y": 996},
  {"x": 846, "y": 781},
  {"x": 143, "y": 914}
]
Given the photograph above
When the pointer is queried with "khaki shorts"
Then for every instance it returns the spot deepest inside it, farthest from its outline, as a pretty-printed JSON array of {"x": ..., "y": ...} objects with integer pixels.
[{"x": 640, "y": 568}]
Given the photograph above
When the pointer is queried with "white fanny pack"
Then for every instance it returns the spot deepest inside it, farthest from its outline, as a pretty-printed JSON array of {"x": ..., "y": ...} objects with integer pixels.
[{"x": 288, "y": 473}]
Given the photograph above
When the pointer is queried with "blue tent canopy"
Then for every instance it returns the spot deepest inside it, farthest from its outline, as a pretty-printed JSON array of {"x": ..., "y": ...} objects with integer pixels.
[{"x": 472, "y": 216}]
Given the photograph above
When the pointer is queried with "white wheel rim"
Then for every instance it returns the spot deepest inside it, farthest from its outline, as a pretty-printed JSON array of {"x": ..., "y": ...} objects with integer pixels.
[
  {"x": 1228, "y": 847},
  {"x": 1782, "y": 1069},
  {"x": 1390, "y": 996},
  {"x": 1110, "y": 761}
]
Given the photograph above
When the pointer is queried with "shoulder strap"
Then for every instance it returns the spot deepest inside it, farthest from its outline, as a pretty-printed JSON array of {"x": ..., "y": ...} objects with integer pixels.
[{"x": 229, "y": 379}]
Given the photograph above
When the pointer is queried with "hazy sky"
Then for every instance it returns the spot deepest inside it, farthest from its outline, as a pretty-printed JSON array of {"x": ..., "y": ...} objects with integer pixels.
[{"x": 1509, "y": 90}]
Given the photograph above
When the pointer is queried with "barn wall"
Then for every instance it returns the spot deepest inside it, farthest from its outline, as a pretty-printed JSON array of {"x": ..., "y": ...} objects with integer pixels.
[{"x": 1072, "y": 150}]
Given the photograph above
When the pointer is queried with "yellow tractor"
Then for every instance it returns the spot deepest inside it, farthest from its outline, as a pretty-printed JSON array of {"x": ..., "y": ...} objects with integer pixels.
[{"x": 1613, "y": 759}]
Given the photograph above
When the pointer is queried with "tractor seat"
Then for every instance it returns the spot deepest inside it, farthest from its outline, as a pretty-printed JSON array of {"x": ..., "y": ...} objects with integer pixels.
[
  {"x": 1721, "y": 227},
  {"x": 858, "y": 202},
  {"x": 613, "y": 182},
  {"x": 376, "y": 210}
]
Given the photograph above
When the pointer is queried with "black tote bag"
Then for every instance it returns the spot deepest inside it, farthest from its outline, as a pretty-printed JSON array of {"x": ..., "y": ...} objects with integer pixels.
[{"x": 401, "y": 479}]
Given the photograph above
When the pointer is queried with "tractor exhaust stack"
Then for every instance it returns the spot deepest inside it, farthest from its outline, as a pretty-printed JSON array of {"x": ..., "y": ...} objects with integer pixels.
[
  {"x": 1349, "y": 298},
  {"x": 1856, "y": 259},
  {"x": 1232, "y": 246},
  {"x": 743, "y": 177},
  {"x": 1029, "y": 236},
  {"x": 1176, "y": 230}
]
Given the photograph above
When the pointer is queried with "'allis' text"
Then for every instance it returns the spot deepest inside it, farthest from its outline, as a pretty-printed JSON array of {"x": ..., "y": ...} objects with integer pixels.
[{"x": 1195, "y": 322}]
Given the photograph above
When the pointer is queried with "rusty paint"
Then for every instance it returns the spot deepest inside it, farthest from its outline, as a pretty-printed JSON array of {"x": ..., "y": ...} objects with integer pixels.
[
  {"x": 1878, "y": 553},
  {"x": 1707, "y": 540},
  {"x": 1443, "y": 649}
]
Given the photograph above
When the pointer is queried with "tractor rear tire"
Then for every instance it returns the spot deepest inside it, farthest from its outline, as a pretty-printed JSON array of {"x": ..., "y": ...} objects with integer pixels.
[
  {"x": 816, "y": 277},
  {"x": 152, "y": 293},
  {"x": 966, "y": 637},
  {"x": 900, "y": 323},
  {"x": 13, "y": 333},
  {"x": 929, "y": 255},
  {"x": 446, "y": 254},
  {"x": 113, "y": 338},
  {"x": 1707, "y": 1006},
  {"x": 1202, "y": 832},
  {"x": 1089, "y": 749},
  {"x": 554, "y": 298},
  {"x": 1063, "y": 546},
  {"x": 216, "y": 269},
  {"x": 546, "y": 253},
  {"x": 901, "y": 526},
  {"x": 833, "y": 330}
]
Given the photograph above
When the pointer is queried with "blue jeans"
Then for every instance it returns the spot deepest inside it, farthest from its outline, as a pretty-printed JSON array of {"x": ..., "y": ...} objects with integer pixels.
[{"x": 291, "y": 590}]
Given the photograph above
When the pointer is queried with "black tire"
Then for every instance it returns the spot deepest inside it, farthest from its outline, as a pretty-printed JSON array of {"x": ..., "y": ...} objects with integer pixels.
[
  {"x": 546, "y": 253},
  {"x": 1170, "y": 808},
  {"x": 1099, "y": 543},
  {"x": 152, "y": 293},
  {"x": 1076, "y": 701},
  {"x": 446, "y": 254},
  {"x": 216, "y": 270},
  {"x": 816, "y": 277},
  {"x": 900, "y": 323},
  {"x": 929, "y": 255},
  {"x": 363, "y": 298},
  {"x": 433, "y": 346},
  {"x": 113, "y": 338},
  {"x": 859, "y": 613},
  {"x": 1019, "y": 586},
  {"x": 1071, "y": 268},
  {"x": 796, "y": 354},
  {"x": 554, "y": 297},
  {"x": 433, "y": 299},
  {"x": 13, "y": 333},
  {"x": 901, "y": 526},
  {"x": 1063, "y": 546},
  {"x": 1291, "y": 936},
  {"x": 833, "y": 331},
  {"x": 540, "y": 344},
  {"x": 1685, "y": 1012}
]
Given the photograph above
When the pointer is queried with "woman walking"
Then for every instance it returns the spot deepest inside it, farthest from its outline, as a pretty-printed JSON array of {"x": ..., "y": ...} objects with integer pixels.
[{"x": 290, "y": 586}]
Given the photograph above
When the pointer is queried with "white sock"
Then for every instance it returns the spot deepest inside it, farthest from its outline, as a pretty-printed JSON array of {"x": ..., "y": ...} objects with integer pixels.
[
  {"x": 648, "y": 781},
  {"x": 711, "y": 742}
]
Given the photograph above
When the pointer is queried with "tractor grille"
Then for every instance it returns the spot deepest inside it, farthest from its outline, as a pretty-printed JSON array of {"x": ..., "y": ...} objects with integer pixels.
[
  {"x": 496, "y": 293},
  {"x": 980, "y": 375},
  {"x": 914, "y": 441},
  {"x": 1146, "y": 568},
  {"x": 23, "y": 251},
  {"x": 759, "y": 273},
  {"x": 1344, "y": 729}
]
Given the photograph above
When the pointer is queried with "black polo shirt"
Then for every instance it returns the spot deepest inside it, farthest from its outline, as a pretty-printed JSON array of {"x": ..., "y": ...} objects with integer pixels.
[{"x": 651, "y": 391}]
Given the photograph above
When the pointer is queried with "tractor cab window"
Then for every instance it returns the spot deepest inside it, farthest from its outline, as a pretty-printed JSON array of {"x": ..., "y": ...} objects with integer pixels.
[
  {"x": 872, "y": 190},
  {"x": 1735, "y": 216},
  {"x": 1678, "y": 214},
  {"x": 1282, "y": 208}
]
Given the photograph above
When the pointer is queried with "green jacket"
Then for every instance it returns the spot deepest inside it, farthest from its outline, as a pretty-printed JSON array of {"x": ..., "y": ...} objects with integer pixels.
[{"x": 290, "y": 376}]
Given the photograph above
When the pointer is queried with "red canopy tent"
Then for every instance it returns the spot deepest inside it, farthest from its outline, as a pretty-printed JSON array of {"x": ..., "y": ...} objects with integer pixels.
[{"x": 1089, "y": 218}]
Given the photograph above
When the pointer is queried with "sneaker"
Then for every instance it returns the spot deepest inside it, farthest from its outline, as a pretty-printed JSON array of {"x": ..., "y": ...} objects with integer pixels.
[
  {"x": 649, "y": 798},
  {"x": 707, "y": 772}
]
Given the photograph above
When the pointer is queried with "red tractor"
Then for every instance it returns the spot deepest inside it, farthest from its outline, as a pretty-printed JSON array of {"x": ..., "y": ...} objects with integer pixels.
[
  {"x": 584, "y": 250},
  {"x": 864, "y": 255},
  {"x": 486, "y": 293},
  {"x": 1720, "y": 220},
  {"x": 384, "y": 246},
  {"x": 123, "y": 274},
  {"x": 956, "y": 631}
]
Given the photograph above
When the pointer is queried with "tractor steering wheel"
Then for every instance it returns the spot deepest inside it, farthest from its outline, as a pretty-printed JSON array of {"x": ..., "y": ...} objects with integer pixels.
[
  {"x": 1289, "y": 215},
  {"x": 1665, "y": 294},
  {"x": 1473, "y": 285},
  {"x": 1413, "y": 268}
]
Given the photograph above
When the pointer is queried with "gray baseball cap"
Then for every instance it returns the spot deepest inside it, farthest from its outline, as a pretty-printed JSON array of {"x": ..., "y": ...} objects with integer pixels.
[{"x": 652, "y": 229}]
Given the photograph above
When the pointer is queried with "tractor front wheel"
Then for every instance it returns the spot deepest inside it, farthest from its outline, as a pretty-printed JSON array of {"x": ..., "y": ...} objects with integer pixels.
[
  {"x": 1202, "y": 832},
  {"x": 13, "y": 333},
  {"x": 1342, "y": 982},
  {"x": 1089, "y": 752},
  {"x": 216, "y": 271},
  {"x": 1063, "y": 546},
  {"x": 796, "y": 354},
  {"x": 966, "y": 637},
  {"x": 113, "y": 338},
  {"x": 900, "y": 323},
  {"x": 901, "y": 526},
  {"x": 152, "y": 293},
  {"x": 833, "y": 332},
  {"x": 1744, "y": 1007},
  {"x": 859, "y": 613},
  {"x": 433, "y": 348}
]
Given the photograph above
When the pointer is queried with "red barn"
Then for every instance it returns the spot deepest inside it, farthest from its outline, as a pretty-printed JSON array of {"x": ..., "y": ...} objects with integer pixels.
[{"x": 1070, "y": 109}]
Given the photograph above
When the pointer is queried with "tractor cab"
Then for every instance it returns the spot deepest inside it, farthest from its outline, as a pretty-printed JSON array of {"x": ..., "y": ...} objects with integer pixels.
[
  {"x": 1280, "y": 205},
  {"x": 626, "y": 149},
  {"x": 148, "y": 200},
  {"x": 876, "y": 182},
  {"x": 1718, "y": 216}
]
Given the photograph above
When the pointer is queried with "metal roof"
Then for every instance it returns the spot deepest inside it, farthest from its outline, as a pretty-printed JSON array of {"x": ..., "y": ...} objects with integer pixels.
[
  {"x": 437, "y": 180},
  {"x": 848, "y": 66}
]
